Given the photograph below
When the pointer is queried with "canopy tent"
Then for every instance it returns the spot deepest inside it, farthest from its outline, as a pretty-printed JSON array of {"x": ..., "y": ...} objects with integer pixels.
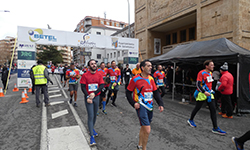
[{"x": 219, "y": 50}]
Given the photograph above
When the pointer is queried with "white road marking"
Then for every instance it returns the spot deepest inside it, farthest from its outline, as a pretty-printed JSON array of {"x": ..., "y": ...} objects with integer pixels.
[
  {"x": 55, "y": 103},
  {"x": 78, "y": 120},
  {"x": 43, "y": 141},
  {"x": 59, "y": 113},
  {"x": 54, "y": 85},
  {"x": 69, "y": 138},
  {"x": 54, "y": 91},
  {"x": 57, "y": 95}
]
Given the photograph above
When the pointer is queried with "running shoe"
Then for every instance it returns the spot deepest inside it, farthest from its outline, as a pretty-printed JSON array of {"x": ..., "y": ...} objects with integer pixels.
[
  {"x": 70, "y": 101},
  {"x": 139, "y": 147},
  {"x": 191, "y": 123},
  {"x": 225, "y": 116},
  {"x": 97, "y": 113},
  {"x": 218, "y": 131},
  {"x": 104, "y": 112},
  {"x": 113, "y": 104},
  {"x": 75, "y": 105},
  {"x": 92, "y": 141},
  {"x": 94, "y": 133},
  {"x": 221, "y": 113},
  {"x": 236, "y": 144}
]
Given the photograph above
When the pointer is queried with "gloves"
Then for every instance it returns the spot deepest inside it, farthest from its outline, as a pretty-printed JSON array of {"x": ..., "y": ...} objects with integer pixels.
[{"x": 51, "y": 82}]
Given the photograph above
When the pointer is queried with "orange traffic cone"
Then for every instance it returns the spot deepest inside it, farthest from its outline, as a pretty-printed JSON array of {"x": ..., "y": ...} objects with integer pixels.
[
  {"x": 15, "y": 88},
  {"x": 30, "y": 88},
  {"x": 25, "y": 93},
  {"x": 1, "y": 92},
  {"x": 24, "y": 100}
]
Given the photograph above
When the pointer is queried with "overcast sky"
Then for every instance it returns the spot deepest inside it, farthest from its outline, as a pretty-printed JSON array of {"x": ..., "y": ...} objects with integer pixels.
[{"x": 59, "y": 14}]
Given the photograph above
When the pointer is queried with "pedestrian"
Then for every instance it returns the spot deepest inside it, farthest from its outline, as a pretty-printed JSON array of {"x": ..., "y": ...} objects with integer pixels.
[
  {"x": 4, "y": 77},
  {"x": 226, "y": 89},
  {"x": 60, "y": 69},
  {"x": 53, "y": 69},
  {"x": 203, "y": 94},
  {"x": 170, "y": 78},
  {"x": 102, "y": 103},
  {"x": 91, "y": 85},
  {"x": 121, "y": 69},
  {"x": 115, "y": 77},
  {"x": 65, "y": 69},
  {"x": 136, "y": 70},
  {"x": 41, "y": 76},
  {"x": 144, "y": 89},
  {"x": 73, "y": 75},
  {"x": 239, "y": 142},
  {"x": 32, "y": 79},
  {"x": 159, "y": 77},
  {"x": 127, "y": 75}
]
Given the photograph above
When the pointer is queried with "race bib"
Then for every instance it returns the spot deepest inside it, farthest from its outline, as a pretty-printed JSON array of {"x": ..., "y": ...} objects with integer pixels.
[
  {"x": 127, "y": 73},
  {"x": 160, "y": 80},
  {"x": 72, "y": 73},
  {"x": 148, "y": 96},
  {"x": 210, "y": 79},
  {"x": 92, "y": 87},
  {"x": 112, "y": 78}
]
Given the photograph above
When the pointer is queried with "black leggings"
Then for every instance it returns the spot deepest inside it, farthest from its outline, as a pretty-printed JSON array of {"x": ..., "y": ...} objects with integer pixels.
[
  {"x": 162, "y": 90},
  {"x": 241, "y": 140},
  {"x": 212, "y": 109},
  {"x": 109, "y": 95}
]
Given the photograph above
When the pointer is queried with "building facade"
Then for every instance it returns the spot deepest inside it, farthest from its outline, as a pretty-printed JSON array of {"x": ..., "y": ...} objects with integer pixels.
[
  {"x": 160, "y": 25},
  {"x": 66, "y": 54},
  {"x": 6, "y": 50}
]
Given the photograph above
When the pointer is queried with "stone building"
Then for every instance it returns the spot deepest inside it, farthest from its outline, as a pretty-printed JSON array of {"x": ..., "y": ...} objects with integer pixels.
[{"x": 160, "y": 25}]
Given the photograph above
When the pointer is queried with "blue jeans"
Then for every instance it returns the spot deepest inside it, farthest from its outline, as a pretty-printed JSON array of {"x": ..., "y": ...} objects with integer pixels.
[{"x": 92, "y": 110}]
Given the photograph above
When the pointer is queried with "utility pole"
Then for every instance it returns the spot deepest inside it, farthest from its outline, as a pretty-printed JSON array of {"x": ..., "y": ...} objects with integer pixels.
[{"x": 128, "y": 19}]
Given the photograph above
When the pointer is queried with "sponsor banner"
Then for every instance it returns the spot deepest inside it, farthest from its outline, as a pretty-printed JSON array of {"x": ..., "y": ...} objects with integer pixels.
[
  {"x": 23, "y": 82},
  {"x": 157, "y": 46},
  {"x": 26, "y": 46},
  {"x": 54, "y": 37},
  {"x": 23, "y": 73},
  {"x": 26, "y": 55},
  {"x": 25, "y": 64},
  {"x": 133, "y": 54}
]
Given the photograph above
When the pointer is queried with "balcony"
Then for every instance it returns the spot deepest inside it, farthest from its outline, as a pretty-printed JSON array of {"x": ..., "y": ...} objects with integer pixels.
[{"x": 87, "y": 23}]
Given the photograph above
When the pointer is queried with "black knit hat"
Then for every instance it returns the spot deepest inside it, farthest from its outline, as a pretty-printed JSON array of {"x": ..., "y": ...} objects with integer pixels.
[{"x": 224, "y": 67}]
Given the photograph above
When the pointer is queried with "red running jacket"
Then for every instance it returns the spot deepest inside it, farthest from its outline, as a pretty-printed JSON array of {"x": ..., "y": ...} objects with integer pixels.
[{"x": 227, "y": 81}]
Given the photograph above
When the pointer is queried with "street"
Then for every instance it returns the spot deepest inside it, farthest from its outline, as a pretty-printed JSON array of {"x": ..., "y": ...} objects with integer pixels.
[{"x": 21, "y": 124}]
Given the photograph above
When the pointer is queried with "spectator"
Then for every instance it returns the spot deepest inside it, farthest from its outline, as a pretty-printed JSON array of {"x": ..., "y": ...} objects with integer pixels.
[
  {"x": 136, "y": 70},
  {"x": 5, "y": 73}
]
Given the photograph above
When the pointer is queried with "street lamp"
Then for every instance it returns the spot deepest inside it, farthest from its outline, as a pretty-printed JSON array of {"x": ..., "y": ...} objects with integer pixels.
[{"x": 128, "y": 19}]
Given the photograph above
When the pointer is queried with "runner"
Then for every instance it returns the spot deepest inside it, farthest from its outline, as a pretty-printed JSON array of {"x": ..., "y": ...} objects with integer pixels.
[
  {"x": 53, "y": 69},
  {"x": 144, "y": 88},
  {"x": 127, "y": 75},
  {"x": 115, "y": 76},
  {"x": 204, "y": 93},
  {"x": 73, "y": 75},
  {"x": 91, "y": 85},
  {"x": 103, "y": 71},
  {"x": 136, "y": 70},
  {"x": 159, "y": 76},
  {"x": 65, "y": 69},
  {"x": 239, "y": 142},
  {"x": 60, "y": 69}
]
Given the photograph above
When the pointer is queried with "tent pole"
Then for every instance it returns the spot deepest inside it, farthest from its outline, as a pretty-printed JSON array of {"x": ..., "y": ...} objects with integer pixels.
[
  {"x": 173, "y": 81},
  {"x": 237, "y": 87}
]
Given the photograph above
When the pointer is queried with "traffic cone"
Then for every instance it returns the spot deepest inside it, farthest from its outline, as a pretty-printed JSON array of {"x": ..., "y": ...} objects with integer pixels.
[
  {"x": 1, "y": 92},
  {"x": 15, "y": 88},
  {"x": 24, "y": 100},
  {"x": 25, "y": 93},
  {"x": 30, "y": 88}
]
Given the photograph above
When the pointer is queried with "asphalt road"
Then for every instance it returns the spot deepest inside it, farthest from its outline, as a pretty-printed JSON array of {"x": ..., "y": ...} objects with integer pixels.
[{"x": 20, "y": 124}]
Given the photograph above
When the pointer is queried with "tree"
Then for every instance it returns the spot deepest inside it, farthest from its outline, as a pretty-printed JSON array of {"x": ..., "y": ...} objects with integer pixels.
[{"x": 49, "y": 53}]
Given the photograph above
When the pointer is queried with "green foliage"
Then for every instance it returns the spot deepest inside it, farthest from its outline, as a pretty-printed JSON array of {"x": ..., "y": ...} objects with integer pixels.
[{"x": 50, "y": 53}]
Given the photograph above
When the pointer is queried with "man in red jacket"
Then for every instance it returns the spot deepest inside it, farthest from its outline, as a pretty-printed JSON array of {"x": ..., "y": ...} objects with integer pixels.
[{"x": 226, "y": 89}]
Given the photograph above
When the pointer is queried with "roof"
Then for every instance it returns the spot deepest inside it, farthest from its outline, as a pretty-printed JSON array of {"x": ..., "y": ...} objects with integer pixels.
[
  {"x": 102, "y": 27},
  {"x": 204, "y": 49},
  {"x": 122, "y": 30}
]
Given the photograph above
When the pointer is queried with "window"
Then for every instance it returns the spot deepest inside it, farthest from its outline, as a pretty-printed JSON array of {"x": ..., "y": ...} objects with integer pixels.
[
  {"x": 81, "y": 29},
  {"x": 107, "y": 23},
  {"x": 114, "y": 54},
  {"x": 110, "y": 55},
  {"x": 113, "y": 24},
  {"x": 117, "y": 24},
  {"x": 192, "y": 33},
  {"x": 107, "y": 55},
  {"x": 98, "y": 33},
  {"x": 183, "y": 35},
  {"x": 98, "y": 56},
  {"x": 102, "y": 22},
  {"x": 118, "y": 54},
  {"x": 174, "y": 38},
  {"x": 168, "y": 39}
]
